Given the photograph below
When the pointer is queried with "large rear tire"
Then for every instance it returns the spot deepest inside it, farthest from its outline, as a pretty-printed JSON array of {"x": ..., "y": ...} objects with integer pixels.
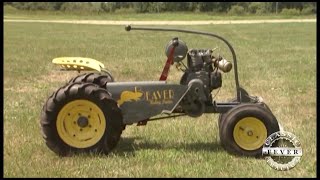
[
  {"x": 81, "y": 117},
  {"x": 96, "y": 78},
  {"x": 244, "y": 129}
]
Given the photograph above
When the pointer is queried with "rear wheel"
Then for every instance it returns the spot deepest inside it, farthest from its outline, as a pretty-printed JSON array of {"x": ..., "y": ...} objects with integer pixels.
[
  {"x": 244, "y": 129},
  {"x": 96, "y": 78},
  {"x": 81, "y": 117}
]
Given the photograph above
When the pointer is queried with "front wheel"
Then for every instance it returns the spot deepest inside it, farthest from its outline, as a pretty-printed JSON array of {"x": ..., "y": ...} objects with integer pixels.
[
  {"x": 245, "y": 128},
  {"x": 81, "y": 117}
]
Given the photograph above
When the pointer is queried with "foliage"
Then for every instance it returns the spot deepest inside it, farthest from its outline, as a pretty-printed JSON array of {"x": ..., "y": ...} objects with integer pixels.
[
  {"x": 125, "y": 11},
  {"x": 80, "y": 7},
  {"x": 290, "y": 12},
  {"x": 237, "y": 8},
  {"x": 9, "y": 9},
  {"x": 258, "y": 8},
  {"x": 108, "y": 7},
  {"x": 38, "y": 5},
  {"x": 308, "y": 9}
]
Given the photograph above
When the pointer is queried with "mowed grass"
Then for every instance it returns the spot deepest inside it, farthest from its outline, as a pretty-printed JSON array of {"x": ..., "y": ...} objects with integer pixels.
[{"x": 275, "y": 61}]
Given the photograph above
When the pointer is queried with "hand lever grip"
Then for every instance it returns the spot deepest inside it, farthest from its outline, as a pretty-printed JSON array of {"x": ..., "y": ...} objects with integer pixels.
[
  {"x": 127, "y": 28},
  {"x": 175, "y": 42}
]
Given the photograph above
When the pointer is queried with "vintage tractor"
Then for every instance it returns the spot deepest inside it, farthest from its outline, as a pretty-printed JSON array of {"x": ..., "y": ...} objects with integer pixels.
[{"x": 89, "y": 113}]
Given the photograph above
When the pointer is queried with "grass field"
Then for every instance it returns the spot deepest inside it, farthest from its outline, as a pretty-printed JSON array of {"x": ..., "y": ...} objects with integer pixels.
[{"x": 276, "y": 61}]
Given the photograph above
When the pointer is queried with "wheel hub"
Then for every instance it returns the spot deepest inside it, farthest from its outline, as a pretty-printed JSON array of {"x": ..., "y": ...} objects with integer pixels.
[
  {"x": 82, "y": 121},
  {"x": 250, "y": 133}
]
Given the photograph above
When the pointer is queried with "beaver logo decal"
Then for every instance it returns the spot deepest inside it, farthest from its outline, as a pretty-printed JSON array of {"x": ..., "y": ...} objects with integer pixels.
[{"x": 127, "y": 96}]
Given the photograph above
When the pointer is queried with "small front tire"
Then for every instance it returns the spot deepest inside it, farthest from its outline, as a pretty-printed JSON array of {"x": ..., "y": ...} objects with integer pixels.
[{"x": 245, "y": 128}]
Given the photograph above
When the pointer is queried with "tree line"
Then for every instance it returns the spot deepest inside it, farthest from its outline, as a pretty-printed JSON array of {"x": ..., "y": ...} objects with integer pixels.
[{"x": 236, "y": 8}]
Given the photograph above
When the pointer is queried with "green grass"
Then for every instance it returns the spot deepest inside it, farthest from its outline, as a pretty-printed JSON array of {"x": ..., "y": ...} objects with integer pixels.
[
  {"x": 276, "y": 61},
  {"x": 11, "y": 13}
]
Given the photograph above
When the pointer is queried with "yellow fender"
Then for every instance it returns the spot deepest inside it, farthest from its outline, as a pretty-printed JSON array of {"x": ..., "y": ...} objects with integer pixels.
[{"x": 78, "y": 63}]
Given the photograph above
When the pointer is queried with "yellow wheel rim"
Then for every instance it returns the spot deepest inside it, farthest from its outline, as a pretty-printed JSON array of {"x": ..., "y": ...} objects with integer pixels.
[
  {"x": 250, "y": 133},
  {"x": 81, "y": 124}
]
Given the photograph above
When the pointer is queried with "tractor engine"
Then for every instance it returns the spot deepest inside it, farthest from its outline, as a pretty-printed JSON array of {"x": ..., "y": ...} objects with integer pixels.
[
  {"x": 201, "y": 74},
  {"x": 199, "y": 62}
]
